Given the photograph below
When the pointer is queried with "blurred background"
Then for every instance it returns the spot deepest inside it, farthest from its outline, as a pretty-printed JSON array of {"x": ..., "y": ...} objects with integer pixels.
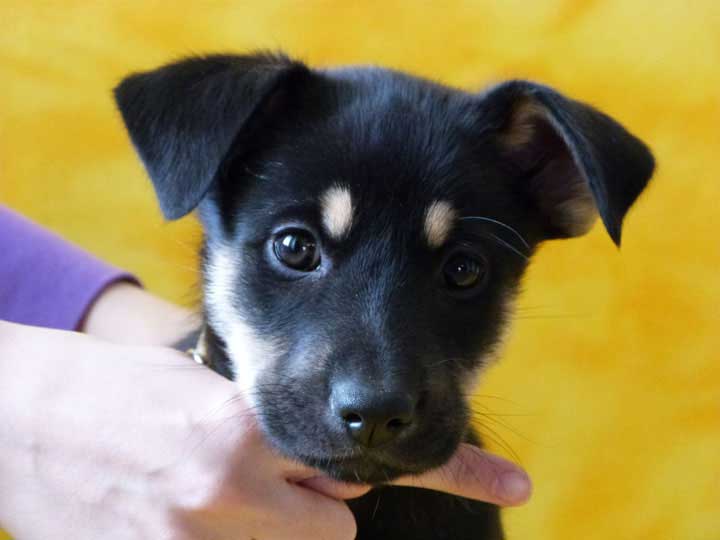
[{"x": 609, "y": 388}]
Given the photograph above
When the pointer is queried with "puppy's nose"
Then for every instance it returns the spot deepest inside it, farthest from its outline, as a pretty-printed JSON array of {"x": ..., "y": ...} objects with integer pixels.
[{"x": 373, "y": 419}]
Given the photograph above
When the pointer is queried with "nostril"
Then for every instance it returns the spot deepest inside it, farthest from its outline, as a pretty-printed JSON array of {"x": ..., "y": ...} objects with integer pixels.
[
  {"x": 352, "y": 419},
  {"x": 396, "y": 424},
  {"x": 369, "y": 417}
]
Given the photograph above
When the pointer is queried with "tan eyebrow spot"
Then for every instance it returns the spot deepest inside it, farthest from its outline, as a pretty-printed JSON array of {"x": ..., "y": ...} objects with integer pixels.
[
  {"x": 439, "y": 220},
  {"x": 337, "y": 211}
]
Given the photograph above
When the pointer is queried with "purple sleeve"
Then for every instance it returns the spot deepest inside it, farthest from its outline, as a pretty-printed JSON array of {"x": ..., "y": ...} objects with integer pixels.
[{"x": 45, "y": 280}]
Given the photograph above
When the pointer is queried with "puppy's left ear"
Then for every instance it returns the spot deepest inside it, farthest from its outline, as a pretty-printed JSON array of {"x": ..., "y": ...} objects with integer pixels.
[
  {"x": 571, "y": 161},
  {"x": 184, "y": 117}
]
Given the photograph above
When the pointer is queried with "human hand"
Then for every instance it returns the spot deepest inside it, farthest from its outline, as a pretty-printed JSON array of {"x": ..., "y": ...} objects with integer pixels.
[{"x": 107, "y": 441}]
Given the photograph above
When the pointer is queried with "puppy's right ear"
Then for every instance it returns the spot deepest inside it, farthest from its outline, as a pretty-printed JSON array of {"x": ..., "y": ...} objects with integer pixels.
[{"x": 183, "y": 118}]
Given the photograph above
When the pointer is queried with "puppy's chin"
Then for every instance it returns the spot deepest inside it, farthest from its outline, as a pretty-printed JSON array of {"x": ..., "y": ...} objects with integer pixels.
[
  {"x": 359, "y": 470},
  {"x": 379, "y": 466}
]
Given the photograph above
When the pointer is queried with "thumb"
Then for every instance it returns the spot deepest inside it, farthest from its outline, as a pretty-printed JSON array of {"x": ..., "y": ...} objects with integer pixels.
[{"x": 476, "y": 474}]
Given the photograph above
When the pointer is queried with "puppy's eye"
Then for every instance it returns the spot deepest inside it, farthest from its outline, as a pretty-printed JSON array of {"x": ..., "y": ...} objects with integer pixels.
[
  {"x": 297, "y": 249},
  {"x": 464, "y": 272}
]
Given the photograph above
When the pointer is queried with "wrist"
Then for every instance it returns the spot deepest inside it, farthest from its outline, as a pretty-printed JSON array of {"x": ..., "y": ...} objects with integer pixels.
[{"x": 125, "y": 313}]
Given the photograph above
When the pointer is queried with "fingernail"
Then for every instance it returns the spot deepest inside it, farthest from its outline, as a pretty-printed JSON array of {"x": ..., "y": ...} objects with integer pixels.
[{"x": 514, "y": 487}]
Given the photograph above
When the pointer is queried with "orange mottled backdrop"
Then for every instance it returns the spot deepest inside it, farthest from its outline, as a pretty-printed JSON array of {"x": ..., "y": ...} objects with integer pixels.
[{"x": 609, "y": 389}]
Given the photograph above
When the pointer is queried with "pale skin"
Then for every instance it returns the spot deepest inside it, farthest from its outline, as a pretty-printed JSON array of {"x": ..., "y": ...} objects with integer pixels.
[{"x": 111, "y": 434}]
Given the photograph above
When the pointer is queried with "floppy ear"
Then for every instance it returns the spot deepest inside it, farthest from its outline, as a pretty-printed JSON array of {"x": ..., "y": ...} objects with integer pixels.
[
  {"x": 572, "y": 161},
  {"x": 183, "y": 118}
]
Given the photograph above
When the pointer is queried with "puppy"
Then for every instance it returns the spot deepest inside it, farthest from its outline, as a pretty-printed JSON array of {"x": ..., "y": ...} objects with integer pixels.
[{"x": 365, "y": 235}]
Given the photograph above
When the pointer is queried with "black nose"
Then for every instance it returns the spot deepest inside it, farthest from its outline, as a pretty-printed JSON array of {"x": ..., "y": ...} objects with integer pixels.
[{"x": 373, "y": 418}]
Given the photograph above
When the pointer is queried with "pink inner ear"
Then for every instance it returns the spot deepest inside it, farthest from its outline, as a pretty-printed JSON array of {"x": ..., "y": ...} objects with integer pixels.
[{"x": 551, "y": 177}]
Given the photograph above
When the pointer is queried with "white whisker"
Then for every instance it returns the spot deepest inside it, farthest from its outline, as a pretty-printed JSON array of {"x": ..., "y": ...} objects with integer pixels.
[
  {"x": 511, "y": 248},
  {"x": 496, "y": 222}
]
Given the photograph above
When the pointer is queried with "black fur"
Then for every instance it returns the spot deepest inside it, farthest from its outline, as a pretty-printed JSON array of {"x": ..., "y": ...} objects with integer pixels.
[
  {"x": 183, "y": 118},
  {"x": 256, "y": 140}
]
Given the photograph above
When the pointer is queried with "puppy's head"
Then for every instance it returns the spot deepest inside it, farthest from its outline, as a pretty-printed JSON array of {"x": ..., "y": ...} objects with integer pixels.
[{"x": 366, "y": 232}]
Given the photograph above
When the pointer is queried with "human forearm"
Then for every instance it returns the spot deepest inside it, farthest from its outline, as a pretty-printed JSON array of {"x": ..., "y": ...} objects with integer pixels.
[
  {"x": 125, "y": 313},
  {"x": 46, "y": 280}
]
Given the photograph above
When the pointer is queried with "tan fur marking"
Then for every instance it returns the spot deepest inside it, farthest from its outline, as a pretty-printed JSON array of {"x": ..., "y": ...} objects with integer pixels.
[
  {"x": 337, "y": 211},
  {"x": 439, "y": 220},
  {"x": 249, "y": 353},
  {"x": 521, "y": 128},
  {"x": 578, "y": 214}
]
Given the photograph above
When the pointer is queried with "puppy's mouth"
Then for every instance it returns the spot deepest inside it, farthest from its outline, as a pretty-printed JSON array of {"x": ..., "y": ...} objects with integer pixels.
[
  {"x": 359, "y": 469},
  {"x": 378, "y": 466}
]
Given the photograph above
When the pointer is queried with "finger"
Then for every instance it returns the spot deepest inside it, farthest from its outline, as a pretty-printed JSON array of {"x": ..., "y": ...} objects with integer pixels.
[
  {"x": 334, "y": 489},
  {"x": 313, "y": 516},
  {"x": 476, "y": 474},
  {"x": 310, "y": 478}
]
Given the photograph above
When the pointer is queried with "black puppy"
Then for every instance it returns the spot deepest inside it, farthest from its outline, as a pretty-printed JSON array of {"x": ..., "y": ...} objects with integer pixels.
[{"x": 365, "y": 235}]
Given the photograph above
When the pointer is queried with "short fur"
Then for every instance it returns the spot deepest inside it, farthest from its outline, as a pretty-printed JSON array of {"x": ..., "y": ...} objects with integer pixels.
[
  {"x": 337, "y": 211},
  {"x": 440, "y": 218},
  {"x": 254, "y": 142}
]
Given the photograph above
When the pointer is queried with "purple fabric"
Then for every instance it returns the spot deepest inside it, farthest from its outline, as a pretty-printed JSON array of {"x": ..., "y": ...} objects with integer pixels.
[{"x": 45, "y": 280}]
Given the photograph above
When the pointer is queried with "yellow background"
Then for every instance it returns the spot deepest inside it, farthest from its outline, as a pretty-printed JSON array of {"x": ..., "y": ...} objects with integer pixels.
[{"x": 609, "y": 390}]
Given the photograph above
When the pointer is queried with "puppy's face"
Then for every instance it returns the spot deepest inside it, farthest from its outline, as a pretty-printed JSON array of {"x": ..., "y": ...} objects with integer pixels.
[
  {"x": 366, "y": 232},
  {"x": 359, "y": 284}
]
